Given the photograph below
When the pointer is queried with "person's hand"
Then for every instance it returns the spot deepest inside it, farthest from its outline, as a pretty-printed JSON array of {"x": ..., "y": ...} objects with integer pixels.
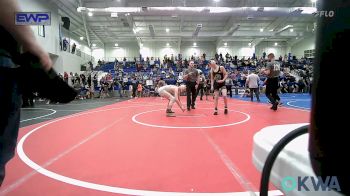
[
  {"x": 45, "y": 61},
  {"x": 183, "y": 108},
  {"x": 196, "y": 86},
  {"x": 211, "y": 89},
  {"x": 220, "y": 81},
  {"x": 36, "y": 50}
]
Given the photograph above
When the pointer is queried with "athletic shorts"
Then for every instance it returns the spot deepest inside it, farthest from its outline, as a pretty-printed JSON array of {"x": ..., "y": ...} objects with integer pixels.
[{"x": 219, "y": 86}]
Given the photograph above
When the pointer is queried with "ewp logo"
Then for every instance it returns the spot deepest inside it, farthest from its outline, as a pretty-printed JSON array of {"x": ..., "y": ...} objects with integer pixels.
[
  {"x": 317, "y": 183},
  {"x": 33, "y": 18}
]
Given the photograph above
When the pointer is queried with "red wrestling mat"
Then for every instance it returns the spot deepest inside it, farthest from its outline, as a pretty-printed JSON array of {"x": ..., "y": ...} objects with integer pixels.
[{"x": 132, "y": 148}]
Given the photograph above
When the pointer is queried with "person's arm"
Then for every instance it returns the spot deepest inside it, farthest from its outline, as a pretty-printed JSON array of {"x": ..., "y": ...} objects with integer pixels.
[
  {"x": 198, "y": 79},
  {"x": 185, "y": 75},
  {"x": 177, "y": 97},
  {"x": 247, "y": 81},
  {"x": 22, "y": 33}
]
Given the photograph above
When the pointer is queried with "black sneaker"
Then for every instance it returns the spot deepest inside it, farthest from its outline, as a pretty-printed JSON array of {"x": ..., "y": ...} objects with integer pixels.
[
  {"x": 216, "y": 112},
  {"x": 188, "y": 109},
  {"x": 225, "y": 111},
  {"x": 274, "y": 106},
  {"x": 193, "y": 107},
  {"x": 169, "y": 111}
]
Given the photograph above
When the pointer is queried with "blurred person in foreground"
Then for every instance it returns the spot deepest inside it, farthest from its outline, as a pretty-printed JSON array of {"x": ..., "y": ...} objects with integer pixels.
[{"x": 12, "y": 38}]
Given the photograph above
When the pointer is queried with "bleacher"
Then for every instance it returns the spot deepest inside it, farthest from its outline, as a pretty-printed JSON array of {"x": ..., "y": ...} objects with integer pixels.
[{"x": 130, "y": 69}]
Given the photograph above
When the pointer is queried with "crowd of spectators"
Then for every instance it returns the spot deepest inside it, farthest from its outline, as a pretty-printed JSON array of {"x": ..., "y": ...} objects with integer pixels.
[{"x": 140, "y": 76}]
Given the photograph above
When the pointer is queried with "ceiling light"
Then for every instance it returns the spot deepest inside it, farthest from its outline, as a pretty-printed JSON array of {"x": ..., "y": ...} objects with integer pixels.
[
  {"x": 216, "y": 1},
  {"x": 261, "y": 30},
  {"x": 225, "y": 44},
  {"x": 220, "y": 9},
  {"x": 291, "y": 30},
  {"x": 141, "y": 44},
  {"x": 123, "y": 9},
  {"x": 167, "y": 44},
  {"x": 276, "y": 43},
  {"x": 93, "y": 45},
  {"x": 271, "y": 30},
  {"x": 297, "y": 38},
  {"x": 90, "y": 14},
  {"x": 81, "y": 38},
  {"x": 313, "y": 1},
  {"x": 116, "y": 45},
  {"x": 167, "y": 30},
  {"x": 249, "y": 44},
  {"x": 194, "y": 44},
  {"x": 309, "y": 10},
  {"x": 114, "y": 14}
]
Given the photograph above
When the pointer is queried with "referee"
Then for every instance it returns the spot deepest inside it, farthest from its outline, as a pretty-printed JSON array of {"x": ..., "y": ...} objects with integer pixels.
[
  {"x": 191, "y": 76},
  {"x": 272, "y": 72}
]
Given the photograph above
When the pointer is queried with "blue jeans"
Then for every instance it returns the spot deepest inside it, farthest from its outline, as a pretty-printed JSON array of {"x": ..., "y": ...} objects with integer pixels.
[{"x": 10, "y": 105}]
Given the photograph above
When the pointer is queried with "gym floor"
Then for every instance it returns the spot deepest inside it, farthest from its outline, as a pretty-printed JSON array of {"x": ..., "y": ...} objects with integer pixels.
[{"x": 129, "y": 147}]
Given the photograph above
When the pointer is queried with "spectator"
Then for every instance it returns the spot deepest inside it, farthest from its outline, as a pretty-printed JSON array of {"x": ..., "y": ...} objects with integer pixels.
[
  {"x": 216, "y": 57},
  {"x": 228, "y": 84},
  {"x": 253, "y": 84},
  {"x": 65, "y": 76},
  {"x": 139, "y": 90},
  {"x": 65, "y": 44},
  {"x": 73, "y": 48},
  {"x": 201, "y": 87},
  {"x": 151, "y": 63}
]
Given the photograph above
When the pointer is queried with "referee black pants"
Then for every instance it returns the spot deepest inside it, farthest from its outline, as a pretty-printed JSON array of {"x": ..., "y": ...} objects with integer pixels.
[
  {"x": 191, "y": 93},
  {"x": 271, "y": 89}
]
